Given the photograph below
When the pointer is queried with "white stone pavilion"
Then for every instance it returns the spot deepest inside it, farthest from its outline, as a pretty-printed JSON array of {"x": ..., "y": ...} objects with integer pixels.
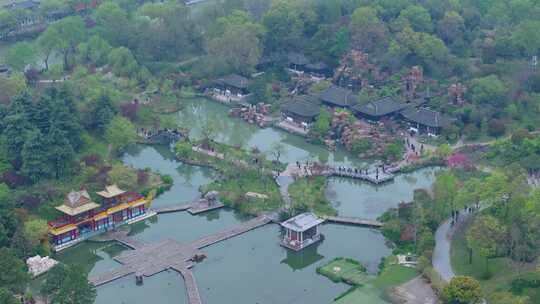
[{"x": 301, "y": 231}]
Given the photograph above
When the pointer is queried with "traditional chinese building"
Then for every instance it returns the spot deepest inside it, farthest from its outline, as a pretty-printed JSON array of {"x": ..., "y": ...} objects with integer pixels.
[
  {"x": 232, "y": 84},
  {"x": 302, "y": 110},
  {"x": 338, "y": 97},
  {"x": 301, "y": 231},
  {"x": 382, "y": 108},
  {"x": 83, "y": 218}
]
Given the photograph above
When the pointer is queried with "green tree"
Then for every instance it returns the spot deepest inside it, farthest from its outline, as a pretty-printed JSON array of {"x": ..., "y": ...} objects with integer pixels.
[
  {"x": 36, "y": 231},
  {"x": 120, "y": 133},
  {"x": 101, "y": 113},
  {"x": 53, "y": 281},
  {"x": 452, "y": 27},
  {"x": 239, "y": 47},
  {"x": 21, "y": 55},
  {"x": 418, "y": 17},
  {"x": 70, "y": 31},
  {"x": 462, "y": 290},
  {"x": 445, "y": 189},
  {"x": 122, "y": 62},
  {"x": 95, "y": 50},
  {"x": 526, "y": 37},
  {"x": 13, "y": 275},
  {"x": 17, "y": 131},
  {"x": 485, "y": 236},
  {"x": 61, "y": 155},
  {"x": 278, "y": 149},
  {"x": 6, "y": 297},
  {"x": 112, "y": 23},
  {"x": 284, "y": 26},
  {"x": 367, "y": 30},
  {"x": 48, "y": 42},
  {"x": 75, "y": 288},
  {"x": 322, "y": 124},
  {"x": 123, "y": 176},
  {"x": 8, "y": 21},
  {"x": 487, "y": 90},
  {"x": 183, "y": 148},
  {"x": 35, "y": 159}
]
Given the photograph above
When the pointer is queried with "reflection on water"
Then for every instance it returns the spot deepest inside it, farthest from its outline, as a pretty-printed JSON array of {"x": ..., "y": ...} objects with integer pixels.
[
  {"x": 253, "y": 267},
  {"x": 186, "y": 178},
  {"x": 301, "y": 259},
  {"x": 198, "y": 112},
  {"x": 356, "y": 198}
]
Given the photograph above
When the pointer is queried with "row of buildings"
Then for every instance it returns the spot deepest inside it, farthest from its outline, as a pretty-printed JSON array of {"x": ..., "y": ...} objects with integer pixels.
[
  {"x": 82, "y": 218},
  {"x": 304, "y": 109}
]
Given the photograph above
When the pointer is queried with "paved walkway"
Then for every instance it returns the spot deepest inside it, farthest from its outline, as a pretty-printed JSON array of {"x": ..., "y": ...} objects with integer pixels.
[
  {"x": 441, "y": 252},
  {"x": 443, "y": 241}
]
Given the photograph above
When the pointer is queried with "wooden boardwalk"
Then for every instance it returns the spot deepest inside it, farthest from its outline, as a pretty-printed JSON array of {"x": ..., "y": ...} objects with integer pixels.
[
  {"x": 193, "y": 208},
  {"x": 371, "y": 177},
  {"x": 229, "y": 233},
  {"x": 110, "y": 276},
  {"x": 354, "y": 221},
  {"x": 170, "y": 209},
  {"x": 151, "y": 258},
  {"x": 194, "y": 297}
]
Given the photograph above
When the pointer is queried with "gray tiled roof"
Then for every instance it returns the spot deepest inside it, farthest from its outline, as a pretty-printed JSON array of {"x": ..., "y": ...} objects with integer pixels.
[
  {"x": 305, "y": 106},
  {"x": 27, "y": 4},
  {"x": 380, "y": 107},
  {"x": 234, "y": 80},
  {"x": 298, "y": 59},
  {"x": 426, "y": 117},
  {"x": 317, "y": 66},
  {"x": 302, "y": 222},
  {"x": 338, "y": 96}
]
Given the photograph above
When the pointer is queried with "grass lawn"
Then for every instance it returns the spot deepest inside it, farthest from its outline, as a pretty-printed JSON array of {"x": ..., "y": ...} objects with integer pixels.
[
  {"x": 233, "y": 192},
  {"x": 361, "y": 295},
  {"x": 346, "y": 270},
  {"x": 393, "y": 274},
  {"x": 502, "y": 270},
  {"x": 310, "y": 193}
]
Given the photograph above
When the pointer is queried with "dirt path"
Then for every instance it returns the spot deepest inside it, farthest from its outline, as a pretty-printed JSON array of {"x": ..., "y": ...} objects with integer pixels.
[{"x": 415, "y": 291}]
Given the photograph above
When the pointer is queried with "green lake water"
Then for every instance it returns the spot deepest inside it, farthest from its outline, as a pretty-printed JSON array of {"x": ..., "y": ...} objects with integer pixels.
[
  {"x": 253, "y": 267},
  {"x": 198, "y": 112}
]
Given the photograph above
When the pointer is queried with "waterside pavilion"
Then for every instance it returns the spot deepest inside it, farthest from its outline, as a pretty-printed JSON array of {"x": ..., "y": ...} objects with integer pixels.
[
  {"x": 82, "y": 218},
  {"x": 301, "y": 231}
]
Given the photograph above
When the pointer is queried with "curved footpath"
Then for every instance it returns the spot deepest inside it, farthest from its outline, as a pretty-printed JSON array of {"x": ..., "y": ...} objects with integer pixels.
[
  {"x": 441, "y": 252},
  {"x": 443, "y": 241}
]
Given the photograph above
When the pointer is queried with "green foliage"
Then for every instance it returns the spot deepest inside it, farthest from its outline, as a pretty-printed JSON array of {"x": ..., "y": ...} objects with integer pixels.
[
  {"x": 13, "y": 276},
  {"x": 122, "y": 62},
  {"x": 308, "y": 194},
  {"x": 485, "y": 236},
  {"x": 487, "y": 90},
  {"x": 362, "y": 145},
  {"x": 21, "y": 55},
  {"x": 6, "y": 297},
  {"x": 462, "y": 290},
  {"x": 120, "y": 133},
  {"x": 322, "y": 125},
  {"x": 124, "y": 177},
  {"x": 183, "y": 149},
  {"x": 101, "y": 113},
  {"x": 74, "y": 288}
]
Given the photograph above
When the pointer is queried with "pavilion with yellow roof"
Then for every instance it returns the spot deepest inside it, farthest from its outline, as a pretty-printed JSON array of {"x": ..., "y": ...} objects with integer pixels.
[{"x": 82, "y": 218}]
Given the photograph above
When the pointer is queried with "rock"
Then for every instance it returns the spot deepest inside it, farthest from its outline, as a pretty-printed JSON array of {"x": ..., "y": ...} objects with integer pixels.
[{"x": 38, "y": 265}]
